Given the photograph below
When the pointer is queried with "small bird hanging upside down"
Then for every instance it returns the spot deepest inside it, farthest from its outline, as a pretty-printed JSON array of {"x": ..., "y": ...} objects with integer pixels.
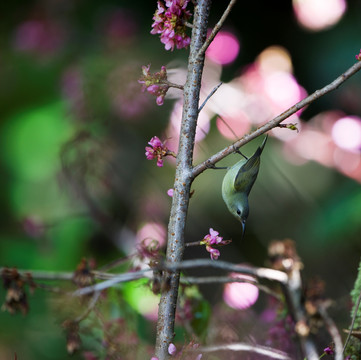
[{"x": 238, "y": 182}]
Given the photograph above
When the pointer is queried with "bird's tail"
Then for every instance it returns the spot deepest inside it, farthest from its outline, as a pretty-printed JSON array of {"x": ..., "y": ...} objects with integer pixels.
[{"x": 260, "y": 148}]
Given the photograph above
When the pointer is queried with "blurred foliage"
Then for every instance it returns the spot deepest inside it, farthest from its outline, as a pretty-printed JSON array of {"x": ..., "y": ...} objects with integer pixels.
[
  {"x": 354, "y": 346},
  {"x": 75, "y": 181}
]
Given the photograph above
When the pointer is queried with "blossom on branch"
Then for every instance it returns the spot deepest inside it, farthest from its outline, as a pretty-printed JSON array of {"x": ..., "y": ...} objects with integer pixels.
[
  {"x": 172, "y": 350},
  {"x": 169, "y": 22},
  {"x": 157, "y": 150},
  {"x": 329, "y": 350},
  {"x": 358, "y": 56},
  {"x": 156, "y": 84},
  {"x": 215, "y": 253},
  {"x": 213, "y": 239}
]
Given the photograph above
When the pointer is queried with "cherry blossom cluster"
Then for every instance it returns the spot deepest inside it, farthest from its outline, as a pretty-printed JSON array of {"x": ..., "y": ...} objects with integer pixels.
[
  {"x": 213, "y": 239},
  {"x": 169, "y": 22},
  {"x": 157, "y": 150},
  {"x": 156, "y": 84}
]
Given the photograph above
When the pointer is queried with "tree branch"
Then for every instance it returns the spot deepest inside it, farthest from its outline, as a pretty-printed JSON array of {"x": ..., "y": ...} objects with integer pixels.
[
  {"x": 262, "y": 350},
  {"x": 226, "y": 280},
  {"x": 276, "y": 121},
  {"x": 45, "y": 275},
  {"x": 170, "y": 84},
  {"x": 215, "y": 30},
  {"x": 263, "y": 273},
  {"x": 209, "y": 96},
  {"x": 290, "y": 283},
  {"x": 183, "y": 179},
  {"x": 116, "y": 279}
]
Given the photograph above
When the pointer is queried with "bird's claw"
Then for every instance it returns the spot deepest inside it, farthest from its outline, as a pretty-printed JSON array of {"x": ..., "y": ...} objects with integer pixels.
[
  {"x": 238, "y": 152},
  {"x": 212, "y": 166}
]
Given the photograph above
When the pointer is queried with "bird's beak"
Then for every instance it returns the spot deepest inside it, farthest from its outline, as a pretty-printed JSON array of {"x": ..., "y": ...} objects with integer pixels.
[{"x": 243, "y": 222}]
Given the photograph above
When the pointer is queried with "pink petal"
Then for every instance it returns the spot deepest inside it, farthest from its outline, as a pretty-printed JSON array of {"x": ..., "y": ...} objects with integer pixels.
[
  {"x": 160, "y": 100},
  {"x": 172, "y": 349}
]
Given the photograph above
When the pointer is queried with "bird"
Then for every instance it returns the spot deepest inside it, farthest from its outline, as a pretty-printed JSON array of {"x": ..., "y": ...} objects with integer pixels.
[{"x": 238, "y": 182}]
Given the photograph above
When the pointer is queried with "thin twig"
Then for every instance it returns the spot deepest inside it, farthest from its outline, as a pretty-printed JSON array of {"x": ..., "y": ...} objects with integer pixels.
[
  {"x": 90, "y": 307},
  {"x": 227, "y": 125},
  {"x": 115, "y": 263},
  {"x": 45, "y": 275},
  {"x": 61, "y": 276},
  {"x": 263, "y": 350},
  {"x": 193, "y": 243},
  {"x": 113, "y": 279},
  {"x": 209, "y": 96},
  {"x": 111, "y": 282},
  {"x": 170, "y": 84},
  {"x": 333, "y": 331},
  {"x": 227, "y": 280},
  {"x": 293, "y": 297},
  {"x": 353, "y": 321},
  {"x": 270, "y": 274},
  {"x": 215, "y": 30},
  {"x": 277, "y": 120},
  {"x": 49, "y": 288}
]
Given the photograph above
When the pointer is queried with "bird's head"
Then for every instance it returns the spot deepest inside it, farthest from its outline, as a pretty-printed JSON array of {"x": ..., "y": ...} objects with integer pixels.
[{"x": 240, "y": 210}]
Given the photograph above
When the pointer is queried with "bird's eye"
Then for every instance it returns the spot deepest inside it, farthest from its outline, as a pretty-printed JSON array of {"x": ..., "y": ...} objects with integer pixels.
[{"x": 238, "y": 212}]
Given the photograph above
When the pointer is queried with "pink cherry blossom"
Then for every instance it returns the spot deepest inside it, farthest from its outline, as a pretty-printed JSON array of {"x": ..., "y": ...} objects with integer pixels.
[
  {"x": 156, "y": 84},
  {"x": 215, "y": 253},
  {"x": 169, "y": 22},
  {"x": 213, "y": 239},
  {"x": 157, "y": 150}
]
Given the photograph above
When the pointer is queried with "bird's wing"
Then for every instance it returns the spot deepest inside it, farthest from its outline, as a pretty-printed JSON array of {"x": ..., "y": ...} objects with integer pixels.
[{"x": 248, "y": 172}]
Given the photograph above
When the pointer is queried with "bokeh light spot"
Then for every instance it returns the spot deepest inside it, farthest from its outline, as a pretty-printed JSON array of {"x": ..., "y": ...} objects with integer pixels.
[
  {"x": 203, "y": 126},
  {"x": 346, "y": 133},
  {"x": 139, "y": 296},
  {"x": 314, "y": 145},
  {"x": 240, "y": 295},
  {"x": 283, "y": 89},
  {"x": 318, "y": 14},
  {"x": 32, "y": 140},
  {"x": 347, "y": 162},
  {"x": 275, "y": 58},
  {"x": 224, "y": 49}
]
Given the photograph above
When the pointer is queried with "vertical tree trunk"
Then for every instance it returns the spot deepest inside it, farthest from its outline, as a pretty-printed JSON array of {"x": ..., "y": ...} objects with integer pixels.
[{"x": 183, "y": 180}]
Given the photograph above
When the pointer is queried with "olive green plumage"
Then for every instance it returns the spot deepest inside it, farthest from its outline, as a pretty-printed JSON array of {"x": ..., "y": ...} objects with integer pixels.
[{"x": 238, "y": 182}]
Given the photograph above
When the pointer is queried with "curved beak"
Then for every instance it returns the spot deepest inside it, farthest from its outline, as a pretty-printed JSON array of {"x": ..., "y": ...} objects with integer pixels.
[{"x": 243, "y": 222}]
